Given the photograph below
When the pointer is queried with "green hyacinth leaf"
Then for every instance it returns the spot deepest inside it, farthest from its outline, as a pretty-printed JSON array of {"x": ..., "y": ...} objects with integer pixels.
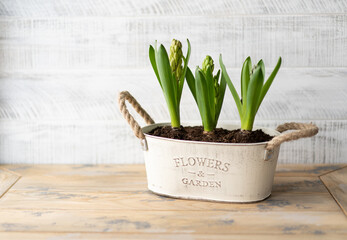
[
  {"x": 153, "y": 62},
  {"x": 253, "y": 95},
  {"x": 191, "y": 83},
  {"x": 269, "y": 82},
  {"x": 262, "y": 66},
  {"x": 203, "y": 100},
  {"x": 185, "y": 67},
  {"x": 231, "y": 86},
  {"x": 220, "y": 98},
  {"x": 168, "y": 84},
  {"x": 245, "y": 77},
  {"x": 210, "y": 89}
]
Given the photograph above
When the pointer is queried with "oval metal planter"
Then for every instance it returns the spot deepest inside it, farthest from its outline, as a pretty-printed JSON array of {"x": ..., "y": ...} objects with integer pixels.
[{"x": 226, "y": 172}]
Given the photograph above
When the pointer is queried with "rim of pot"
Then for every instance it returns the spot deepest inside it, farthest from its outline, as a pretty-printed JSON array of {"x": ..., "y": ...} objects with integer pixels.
[{"x": 148, "y": 128}]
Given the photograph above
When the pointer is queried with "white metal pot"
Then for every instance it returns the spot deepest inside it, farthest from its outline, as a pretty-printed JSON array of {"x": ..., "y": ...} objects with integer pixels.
[
  {"x": 211, "y": 171},
  {"x": 227, "y": 172}
]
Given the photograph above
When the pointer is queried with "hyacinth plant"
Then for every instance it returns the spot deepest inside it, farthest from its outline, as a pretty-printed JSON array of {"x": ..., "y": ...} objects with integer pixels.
[
  {"x": 253, "y": 89},
  {"x": 170, "y": 72},
  {"x": 208, "y": 93}
]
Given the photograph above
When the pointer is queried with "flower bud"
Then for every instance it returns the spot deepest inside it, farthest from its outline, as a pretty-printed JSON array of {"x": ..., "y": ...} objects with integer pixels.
[
  {"x": 175, "y": 58},
  {"x": 208, "y": 61}
]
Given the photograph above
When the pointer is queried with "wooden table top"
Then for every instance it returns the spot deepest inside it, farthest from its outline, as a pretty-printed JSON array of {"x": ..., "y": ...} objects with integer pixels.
[{"x": 112, "y": 201}]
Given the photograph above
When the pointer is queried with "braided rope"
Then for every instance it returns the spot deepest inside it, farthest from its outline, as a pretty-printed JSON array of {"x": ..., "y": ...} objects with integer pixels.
[
  {"x": 305, "y": 130},
  {"x": 126, "y": 96}
]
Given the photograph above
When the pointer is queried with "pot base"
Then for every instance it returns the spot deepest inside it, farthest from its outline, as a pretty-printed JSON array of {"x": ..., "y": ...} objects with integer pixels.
[{"x": 208, "y": 200}]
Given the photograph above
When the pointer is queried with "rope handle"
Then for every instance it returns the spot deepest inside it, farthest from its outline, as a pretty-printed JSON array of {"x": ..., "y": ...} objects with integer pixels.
[
  {"x": 126, "y": 96},
  {"x": 304, "y": 130}
]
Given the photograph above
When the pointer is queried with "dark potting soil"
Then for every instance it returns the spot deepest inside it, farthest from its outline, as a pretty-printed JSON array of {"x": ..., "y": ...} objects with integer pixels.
[{"x": 218, "y": 135}]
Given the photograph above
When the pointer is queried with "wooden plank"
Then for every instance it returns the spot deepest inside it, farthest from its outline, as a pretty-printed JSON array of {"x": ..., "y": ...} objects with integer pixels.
[
  {"x": 108, "y": 142},
  {"x": 129, "y": 178},
  {"x": 336, "y": 182},
  {"x": 7, "y": 180},
  {"x": 296, "y": 94},
  {"x": 109, "y": 43},
  {"x": 135, "y": 8},
  {"x": 147, "y": 201},
  {"x": 86, "y": 170},
  {"x": 317, "y": 235},
  {"x": 126, "y": 184},
  {"x": 130, "y": 184},
  {"x": 133, "y": 170},
  {"x": 305, "y": 170},
  {"x": 298, "y": 184},
  {"x": 71, "y": 118},
  {"x": 171, "y": 222},
  {"x": 124, "y": 187},
  {"x": 89, "y": 202},
  {"x": 49, "y": 36}
]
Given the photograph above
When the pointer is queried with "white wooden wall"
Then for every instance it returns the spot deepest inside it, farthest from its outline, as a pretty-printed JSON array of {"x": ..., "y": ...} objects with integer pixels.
[{"x": 63, "y": 62}]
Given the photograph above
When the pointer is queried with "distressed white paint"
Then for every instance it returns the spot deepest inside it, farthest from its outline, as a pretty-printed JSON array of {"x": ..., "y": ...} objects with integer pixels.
[
  {"x": 62, "y": 64},
  {"x": 67, "y": 118},
  {"x": 297, "y": 93},
  {"x": 93, "y": 142},
  {"x": 113, "y": 8},
  {"x": 112, "y": 43}
]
